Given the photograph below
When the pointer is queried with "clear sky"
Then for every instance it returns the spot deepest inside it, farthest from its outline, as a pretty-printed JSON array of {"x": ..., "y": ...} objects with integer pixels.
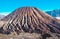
[{"x": 7, "y": 6}]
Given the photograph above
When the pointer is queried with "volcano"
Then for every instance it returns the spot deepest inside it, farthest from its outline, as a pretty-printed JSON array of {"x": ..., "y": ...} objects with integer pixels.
[{"x": 31, "y": 20}]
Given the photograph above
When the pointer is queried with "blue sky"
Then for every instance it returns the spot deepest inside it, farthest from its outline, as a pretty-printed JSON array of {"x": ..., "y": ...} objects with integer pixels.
[{"x": 7, "y": 6}]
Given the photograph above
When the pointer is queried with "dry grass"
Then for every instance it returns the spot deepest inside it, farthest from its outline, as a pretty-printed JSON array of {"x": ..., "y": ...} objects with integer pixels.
[
  {"x": 21, "y": 36},
  {"x": 25, "y": 36}
]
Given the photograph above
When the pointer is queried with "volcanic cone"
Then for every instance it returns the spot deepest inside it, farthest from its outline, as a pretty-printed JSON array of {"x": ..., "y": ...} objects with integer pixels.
[{"x": 31, "y": 20}]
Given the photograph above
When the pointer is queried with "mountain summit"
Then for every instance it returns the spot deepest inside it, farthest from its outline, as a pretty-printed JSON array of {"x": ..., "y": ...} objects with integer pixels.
[{"x": 29, "y": 19}]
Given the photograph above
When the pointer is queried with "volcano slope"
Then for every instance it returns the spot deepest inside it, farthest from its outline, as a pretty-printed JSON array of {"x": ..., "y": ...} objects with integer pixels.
[{"x": 31, "y": 20}]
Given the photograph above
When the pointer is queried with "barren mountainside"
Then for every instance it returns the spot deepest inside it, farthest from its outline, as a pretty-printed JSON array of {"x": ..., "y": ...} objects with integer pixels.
[{"x": 29, "y": 19}]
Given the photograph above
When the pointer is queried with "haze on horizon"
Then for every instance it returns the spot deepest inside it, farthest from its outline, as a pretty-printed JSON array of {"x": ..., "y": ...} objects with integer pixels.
[{"x": 7, "y": 6}]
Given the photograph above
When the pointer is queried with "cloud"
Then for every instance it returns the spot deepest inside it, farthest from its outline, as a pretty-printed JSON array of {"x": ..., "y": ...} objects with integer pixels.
[
  {"x": 57, "y": 17},
  {"x": 4, "y": 13}
]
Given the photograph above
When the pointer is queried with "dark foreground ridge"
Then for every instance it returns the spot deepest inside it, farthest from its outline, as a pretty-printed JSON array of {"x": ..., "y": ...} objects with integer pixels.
[{"x": 31, "y": 20}]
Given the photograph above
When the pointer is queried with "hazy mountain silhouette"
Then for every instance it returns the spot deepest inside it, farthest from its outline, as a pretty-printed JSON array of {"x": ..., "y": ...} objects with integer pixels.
[
  {"x": 54, "y": 13},
  {"x": 2, "y": 16}
]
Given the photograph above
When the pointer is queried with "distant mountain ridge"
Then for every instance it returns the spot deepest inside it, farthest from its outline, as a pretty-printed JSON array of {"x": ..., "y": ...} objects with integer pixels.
[
  {"x": 2, "y": 16},
  {"x": 54, "y": 13}
]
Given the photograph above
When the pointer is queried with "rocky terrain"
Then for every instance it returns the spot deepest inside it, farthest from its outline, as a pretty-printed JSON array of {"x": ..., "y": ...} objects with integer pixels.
[{"x": 30, "y": 20}]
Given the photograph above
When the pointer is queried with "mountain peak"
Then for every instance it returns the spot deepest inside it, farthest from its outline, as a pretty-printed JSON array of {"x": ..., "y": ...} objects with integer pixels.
[{"x": 29, "y": 19}]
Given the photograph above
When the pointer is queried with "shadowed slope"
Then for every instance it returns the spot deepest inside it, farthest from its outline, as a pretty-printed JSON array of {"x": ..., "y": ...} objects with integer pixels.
[{"x": 29, "y": 19}]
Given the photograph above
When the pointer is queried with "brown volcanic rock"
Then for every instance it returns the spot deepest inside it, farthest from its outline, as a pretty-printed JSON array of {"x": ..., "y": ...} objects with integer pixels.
[{"x": 29, "y": 19}]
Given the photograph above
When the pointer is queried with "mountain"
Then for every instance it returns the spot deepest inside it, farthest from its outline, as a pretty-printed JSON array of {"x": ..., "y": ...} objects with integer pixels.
[
  {"x": 54, "y": 13},
  {"x": 31, "y": 20},
  {"x": 2, "y": 16}
]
